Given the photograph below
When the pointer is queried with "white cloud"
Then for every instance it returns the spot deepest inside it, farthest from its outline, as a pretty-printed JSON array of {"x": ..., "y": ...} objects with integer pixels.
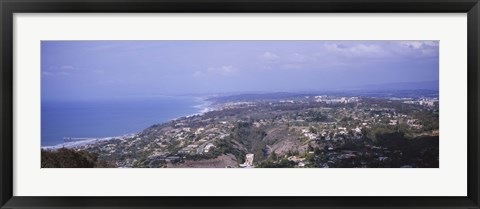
[
  {"x": 394, "y": 49},
  {"x": 412, "y": 44},
  {"x": 431, "y": 43},
  {"x": 46, "y": 73},
  {"x": 419, "y": 44},
  {"x": 357, "y": 50},
  {"x": 269, "y": 56},
  {"x": 61, "y": 73},
  {"x": 198, "y": 73},
  {"x": 67, "y": 67},
  {"x": 297, "y": 57},
  {"x": 291, "y": 66},
  {"x": 265, "y": 67},
  {"x": 226, "y": 70},
  {"x": 419, "y": 48},
  {"x": 223, "y": 70}
]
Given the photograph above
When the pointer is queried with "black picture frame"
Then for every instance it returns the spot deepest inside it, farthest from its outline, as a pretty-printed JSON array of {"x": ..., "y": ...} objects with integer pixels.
[{"x": 9, "y": 7}]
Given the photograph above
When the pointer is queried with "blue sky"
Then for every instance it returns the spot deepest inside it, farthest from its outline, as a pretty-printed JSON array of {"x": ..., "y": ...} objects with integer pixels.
[{"x": 90, "y": 70}]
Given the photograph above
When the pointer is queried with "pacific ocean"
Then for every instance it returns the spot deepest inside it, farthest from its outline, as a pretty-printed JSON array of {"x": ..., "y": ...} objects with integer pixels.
[{"x": 107, "y": 118}]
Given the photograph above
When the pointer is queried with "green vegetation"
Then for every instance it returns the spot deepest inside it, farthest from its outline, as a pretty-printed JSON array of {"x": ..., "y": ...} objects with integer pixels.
[
  {"x": 226, "y": 147},
  {"x": 68, "y": 158},
  {"x": 306, "y": 131},
  {"x": 251, "y": 137},
  {"x": 282, "y": 163}
]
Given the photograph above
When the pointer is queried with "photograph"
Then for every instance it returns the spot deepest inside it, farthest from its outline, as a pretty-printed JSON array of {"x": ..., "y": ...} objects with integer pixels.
[{"x": 239, "y": 104}]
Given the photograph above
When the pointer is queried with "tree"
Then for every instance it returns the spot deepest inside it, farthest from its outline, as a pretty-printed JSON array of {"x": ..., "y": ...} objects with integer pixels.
[
  {"x": 273, "y": 156},
  {"x": 69, "y": 158},
  {"x": 309, "y": 148}
]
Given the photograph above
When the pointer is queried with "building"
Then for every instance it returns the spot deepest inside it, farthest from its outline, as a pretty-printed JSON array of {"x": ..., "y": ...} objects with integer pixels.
[
  {"x": 248, "y": 161},
  {"x": 208, "y": 147}
]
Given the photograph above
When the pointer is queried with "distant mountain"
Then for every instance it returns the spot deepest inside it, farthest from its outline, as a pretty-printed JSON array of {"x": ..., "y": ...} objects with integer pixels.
[
  {"x": 399, "y": 89},
  {"x": 423, "y": 85},
  {"x": 259, "y": 96}
]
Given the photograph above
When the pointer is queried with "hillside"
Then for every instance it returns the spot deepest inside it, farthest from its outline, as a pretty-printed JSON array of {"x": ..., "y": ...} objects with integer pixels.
[{"x": 321, "y": 131}]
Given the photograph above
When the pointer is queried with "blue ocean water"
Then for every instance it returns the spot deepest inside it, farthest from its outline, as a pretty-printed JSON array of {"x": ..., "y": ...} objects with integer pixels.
[{"x": 110, "y": 118}]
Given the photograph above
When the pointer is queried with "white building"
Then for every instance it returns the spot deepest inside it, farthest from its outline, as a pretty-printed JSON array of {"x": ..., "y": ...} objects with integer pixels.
[
  {"x": 208, "y": 146},
  {"x": 248, "y": 161}
]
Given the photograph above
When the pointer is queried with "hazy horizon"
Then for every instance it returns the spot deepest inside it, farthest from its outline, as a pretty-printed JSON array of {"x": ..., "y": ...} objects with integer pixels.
[{"x": 89, "y": 70}]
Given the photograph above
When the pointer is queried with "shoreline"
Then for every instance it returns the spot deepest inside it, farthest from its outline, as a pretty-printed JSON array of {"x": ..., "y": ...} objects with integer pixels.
[
  {"x": 203, "y": 108},
  {"x": 85, "y": 141}
]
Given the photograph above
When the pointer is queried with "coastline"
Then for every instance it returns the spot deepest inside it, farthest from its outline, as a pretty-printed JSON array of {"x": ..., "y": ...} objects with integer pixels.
[
  {"x": 203, "y": 108},
  {"x": 85, "y": 141}
]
